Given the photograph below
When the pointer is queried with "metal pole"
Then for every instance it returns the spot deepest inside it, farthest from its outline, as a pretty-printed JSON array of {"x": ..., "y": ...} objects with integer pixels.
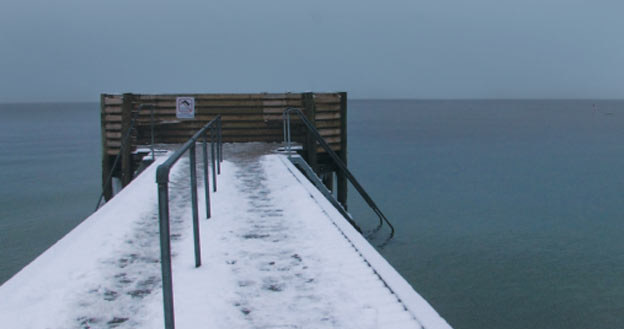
[
  {"x": 221, "y": 138},
  {"x": 284, "y": 128},
  {"x": 212, "y": 159},
  {"x": 152, "y": 131},
  {"x": 206, "y": 179},
  {"x": 219, "y": 156},
  {"x": 193, "y": 166},
  {"x": 165, "y": 254},
  {"x": 289, "y": 135}
]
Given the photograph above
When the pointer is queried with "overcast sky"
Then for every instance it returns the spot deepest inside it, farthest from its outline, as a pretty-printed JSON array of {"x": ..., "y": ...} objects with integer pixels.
[{"x": 73, "y": 50}]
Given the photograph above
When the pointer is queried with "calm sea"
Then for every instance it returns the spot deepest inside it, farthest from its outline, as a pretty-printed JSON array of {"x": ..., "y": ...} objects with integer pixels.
[{"x": 508, "y": 213}]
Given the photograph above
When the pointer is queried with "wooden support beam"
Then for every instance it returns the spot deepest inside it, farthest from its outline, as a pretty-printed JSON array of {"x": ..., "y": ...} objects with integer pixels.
[
  {"x": 309, "y": 108},
  {"x": 341, "y": 178},
  {"x": 328, "y": 180},
  {"x": 126, "y": 155},
  {"x": 107, "y": 184}
]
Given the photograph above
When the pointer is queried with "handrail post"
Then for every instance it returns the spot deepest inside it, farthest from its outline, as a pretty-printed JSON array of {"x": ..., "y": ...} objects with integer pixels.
[
  {"x": 152, "y": 123},
  {"x": 288, "y": 142},
  {"x": 212, "y": 159},
  {"x": 219, "y": 146},
  {"x": 165, "y": 253},
  {"x": 284, "y": 128},
  {"x": 162, "y": 178},
  {"x": 206, "y": 178},
  {"x": 193, "y": 166}
]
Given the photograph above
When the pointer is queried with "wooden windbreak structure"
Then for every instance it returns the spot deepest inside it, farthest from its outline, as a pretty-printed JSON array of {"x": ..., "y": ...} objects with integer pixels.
[{"x": 245, "y": 118}]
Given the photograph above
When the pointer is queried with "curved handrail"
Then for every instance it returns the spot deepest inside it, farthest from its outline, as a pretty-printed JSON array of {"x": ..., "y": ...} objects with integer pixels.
[
  {"x": 162, "y": 178},
  {"x": 341, "y": 165}
]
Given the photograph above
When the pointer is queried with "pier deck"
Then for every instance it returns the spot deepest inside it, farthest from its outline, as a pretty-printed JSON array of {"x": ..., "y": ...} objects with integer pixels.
[{"x": 275, "y": 253}]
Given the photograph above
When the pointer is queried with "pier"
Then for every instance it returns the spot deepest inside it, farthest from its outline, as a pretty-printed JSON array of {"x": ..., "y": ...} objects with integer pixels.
[{"x": 253, "y": 238}]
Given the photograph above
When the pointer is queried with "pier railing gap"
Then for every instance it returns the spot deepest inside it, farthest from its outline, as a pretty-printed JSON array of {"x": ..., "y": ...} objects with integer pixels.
[{"x": 162, "y": 178}]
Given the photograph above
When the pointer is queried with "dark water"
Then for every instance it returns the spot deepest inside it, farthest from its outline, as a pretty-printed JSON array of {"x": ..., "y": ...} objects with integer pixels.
[
  {"x": 508, "y": 213},
  {"x": 49, "y": 176}
]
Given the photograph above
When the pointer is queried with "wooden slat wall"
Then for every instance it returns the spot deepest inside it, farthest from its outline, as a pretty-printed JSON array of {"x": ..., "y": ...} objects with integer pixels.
[{"x": 246, "y": 117}]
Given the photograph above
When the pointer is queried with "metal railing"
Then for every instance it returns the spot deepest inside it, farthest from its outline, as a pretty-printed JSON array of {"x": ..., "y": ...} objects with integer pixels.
[
  {"x": 339, "y": 163},
  {"x": 162, "y": 178},
  {"x": 124, "y": 143}
]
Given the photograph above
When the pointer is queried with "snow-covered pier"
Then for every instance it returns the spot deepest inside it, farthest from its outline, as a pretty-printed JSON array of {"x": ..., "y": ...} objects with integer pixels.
[{"x": 275, "y": 254}]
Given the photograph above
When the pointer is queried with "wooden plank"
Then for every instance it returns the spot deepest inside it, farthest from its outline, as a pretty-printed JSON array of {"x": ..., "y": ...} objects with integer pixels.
[
  {"x": 229, "y": 139},
  {"x": 319, "y": 97},
  {"x": 225, "y": 132},
  {"x": 112, "y": 118},
  {"x": 334, "y": 147},
  {"x": 204, "y": 110},
  {"x": 281, "y": 103},
  {"x": 327, "y": 116},
  {"x": 113, "y": 143},
  {"x": 328, "y": 132},
  {"x": 327, "y": 108},
  {"x": 165, "y": 97},
  {"x": 294, "y": 96},
  {"x": 170, "y": 105},
  {"x": 327, "y": 98},
  {"x": 198, "y": 125},
  {"x": 112, "y": 109},
  {"x": 328, "y": 124},
  {"x": 113, "y": 135},
  {"x": 200, "y": 117},
  {"x": 110, "y": 100}
]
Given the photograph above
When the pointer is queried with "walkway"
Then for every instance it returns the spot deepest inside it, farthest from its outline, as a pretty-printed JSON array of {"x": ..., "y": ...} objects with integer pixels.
[{"x": 275, "y": 255}]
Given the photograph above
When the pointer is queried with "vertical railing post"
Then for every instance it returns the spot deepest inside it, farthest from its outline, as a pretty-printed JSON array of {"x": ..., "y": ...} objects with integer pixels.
[
  {"x": 288, "y": 132},
  {"x": 310, "y": 142},
  {"x": 165, "y": 253},
  {"x": 219, "y": 146},
  {"x": 284, "y": 128},
  {"x": 193, "y": 166},
  {"x": 152, "y": 123},
  {"x": 212, "y": 159},
  {"x": 221, "y": 137},
  {"x": 206, "y": 178},
  {"x": 126, "y": 128}
]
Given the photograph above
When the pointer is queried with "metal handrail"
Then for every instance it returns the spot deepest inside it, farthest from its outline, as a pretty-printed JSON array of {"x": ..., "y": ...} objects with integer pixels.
[
  {"x": 162, "y": 178},
  {"x": 339, "y": 163}
]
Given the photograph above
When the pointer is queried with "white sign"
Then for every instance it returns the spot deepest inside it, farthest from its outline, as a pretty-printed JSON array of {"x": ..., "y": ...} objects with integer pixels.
[{"x": 185, "y": 107}]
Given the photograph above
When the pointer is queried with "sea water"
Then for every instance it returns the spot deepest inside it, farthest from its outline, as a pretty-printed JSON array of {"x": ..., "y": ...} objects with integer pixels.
[
  {"x": 507, "y": 213},
  {"x": 50, "y": 158}
]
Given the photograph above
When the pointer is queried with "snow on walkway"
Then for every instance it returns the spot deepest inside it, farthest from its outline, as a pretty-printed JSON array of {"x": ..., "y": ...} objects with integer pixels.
[
  {"x": 275, "y": 255},
  {"x": 106, "y": 271},
  {"x": 274, "y": 258}
]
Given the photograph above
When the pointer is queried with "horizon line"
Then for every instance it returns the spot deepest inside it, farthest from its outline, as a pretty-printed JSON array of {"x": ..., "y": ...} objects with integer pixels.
[{"x": 369, "y": 99}]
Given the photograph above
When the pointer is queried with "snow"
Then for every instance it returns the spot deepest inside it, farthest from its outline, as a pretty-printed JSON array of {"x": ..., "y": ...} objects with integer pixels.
[{"x": 275, "y": 254}]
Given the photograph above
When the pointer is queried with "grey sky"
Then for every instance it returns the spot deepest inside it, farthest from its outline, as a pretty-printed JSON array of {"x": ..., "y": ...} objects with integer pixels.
[{"x": 76, "y": 49}]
